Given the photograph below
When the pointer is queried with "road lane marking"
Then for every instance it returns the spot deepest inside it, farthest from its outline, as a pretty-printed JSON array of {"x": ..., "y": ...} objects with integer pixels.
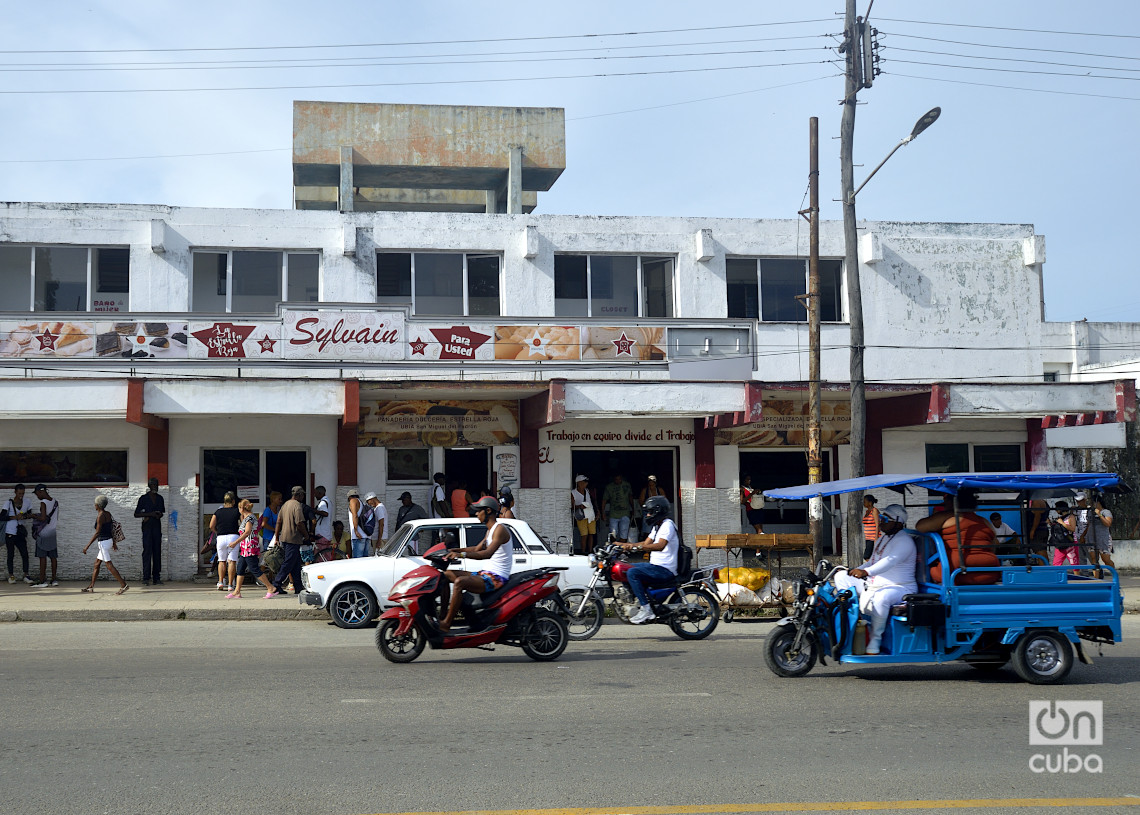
[
  {"x": 543, "y": 698},
  {"x": 806, "y": 806}
]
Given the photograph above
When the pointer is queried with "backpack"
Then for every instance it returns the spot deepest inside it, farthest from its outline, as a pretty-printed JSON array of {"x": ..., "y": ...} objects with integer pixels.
[
  {"x": 366, "y": 521},
  {"x": 684, "y": 561}
]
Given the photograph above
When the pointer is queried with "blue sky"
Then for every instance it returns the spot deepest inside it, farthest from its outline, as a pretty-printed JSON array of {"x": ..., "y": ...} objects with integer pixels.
[{"x": 698, "y": 135}]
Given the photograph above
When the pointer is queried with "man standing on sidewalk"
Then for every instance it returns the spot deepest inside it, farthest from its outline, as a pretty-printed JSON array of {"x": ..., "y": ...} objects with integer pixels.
[
  {"x": 151, "y": 508},
  {"x": 43, "y": 530},
  {"x": 292, "y": 533}
]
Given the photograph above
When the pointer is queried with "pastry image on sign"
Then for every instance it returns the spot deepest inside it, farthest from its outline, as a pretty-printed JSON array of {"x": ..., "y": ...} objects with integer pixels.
[
  {"x": 641, "y": 343},
  {"x": 423, "y": 423},
  {"x": 47, "y": 339},
  {"x": 142, "y": 340},
  {"x": 537, "y": 342}
]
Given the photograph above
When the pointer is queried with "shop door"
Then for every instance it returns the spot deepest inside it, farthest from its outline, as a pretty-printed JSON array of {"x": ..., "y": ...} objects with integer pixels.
[
  {"x": 286, "y": 469},
  {"x": 224, "y": 471},
  {"x": 635, "y": 467},
  {"x": 772, "y": 469},
  {"x": 470, "y": 466}
]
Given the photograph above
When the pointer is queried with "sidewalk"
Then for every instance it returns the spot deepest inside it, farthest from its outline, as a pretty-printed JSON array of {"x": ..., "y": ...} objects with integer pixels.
[{"x": 201, "y": 601}]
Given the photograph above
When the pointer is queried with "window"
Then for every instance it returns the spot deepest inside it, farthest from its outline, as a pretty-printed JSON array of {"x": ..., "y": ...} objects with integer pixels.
[
  {"x": 1051, "y": 376},
  {"x": 63, "y": 467},
  {"x": 613, "y": 285},
  {"x": 407, "y": 464},
  {"x": 64, "y": 278},
  {"x": 988, "y": 458},
  {"x": 439, "y": 283},
  {"x": 770, "y": 291},
  {"x": 252, "y": 282}
]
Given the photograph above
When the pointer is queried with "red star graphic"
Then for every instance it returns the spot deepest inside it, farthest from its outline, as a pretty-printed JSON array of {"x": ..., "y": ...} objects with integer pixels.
[
  {"x": 224, "y": 339},
  {"x": 624, "y": 345},
  {"x": 418, "y": 346},
  {"x": 458, "y": 342},
  {"x": 266, "y": 344},
  {"x": 47, "y": 340}
]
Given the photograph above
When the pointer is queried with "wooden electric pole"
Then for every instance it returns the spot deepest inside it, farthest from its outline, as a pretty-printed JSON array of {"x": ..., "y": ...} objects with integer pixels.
[{"x": 815, "y": 459}]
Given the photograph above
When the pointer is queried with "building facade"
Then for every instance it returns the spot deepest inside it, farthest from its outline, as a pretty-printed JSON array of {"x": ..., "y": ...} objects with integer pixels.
[{"x": 253, "y": 350}]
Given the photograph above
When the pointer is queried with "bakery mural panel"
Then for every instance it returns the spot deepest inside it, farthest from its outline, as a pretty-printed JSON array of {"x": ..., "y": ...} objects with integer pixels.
[
  {"x": 784, "y": 423},
  {"x": 53, "y": 338},
  {"x": 128, "y": 339},
  {"x": 538, "y": 342},
  {"x": 635, "y": 344},
  {"x": 343, "y": 335},
  {"x": 427, "y": 423},
  {"x": 451, "y": 342},
  {"x": 241, "y": 340}
]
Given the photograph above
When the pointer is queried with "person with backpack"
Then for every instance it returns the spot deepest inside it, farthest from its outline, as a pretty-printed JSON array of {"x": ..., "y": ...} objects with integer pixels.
[
  {"x": 377, "y": 531},
  {"x": 357, "y": 535},
  {"x": 663, "y": 544}
]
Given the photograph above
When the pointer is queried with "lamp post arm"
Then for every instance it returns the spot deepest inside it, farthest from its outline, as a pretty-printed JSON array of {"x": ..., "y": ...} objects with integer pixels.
[{"x": 907, "y": 140}]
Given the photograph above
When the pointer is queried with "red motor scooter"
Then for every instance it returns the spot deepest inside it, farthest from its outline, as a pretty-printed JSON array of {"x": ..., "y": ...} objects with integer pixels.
[{"x": 506, "y": 615}]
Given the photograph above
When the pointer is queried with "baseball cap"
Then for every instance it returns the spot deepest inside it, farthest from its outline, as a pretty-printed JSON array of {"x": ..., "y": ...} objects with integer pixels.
[
  {"x": 652, "y": 478},
  {"x": 894, "y": 512},
  {"x": 1081, "y": 496},
  {"x": 370, "y": 496},
  {"x": 405, "y": 494},
  {"x": 40, "y": 487},
  {"x": 580, "y": 478},
  {"x": 297, "y": 490},
  {"x": 354, "y": 493}
]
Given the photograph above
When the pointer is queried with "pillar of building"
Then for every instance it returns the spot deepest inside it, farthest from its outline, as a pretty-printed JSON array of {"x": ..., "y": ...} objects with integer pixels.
[
  {"x": 704, "y": 447},
  {"x": 514, "y": 181},
  {"x": 347, "y": 188}
]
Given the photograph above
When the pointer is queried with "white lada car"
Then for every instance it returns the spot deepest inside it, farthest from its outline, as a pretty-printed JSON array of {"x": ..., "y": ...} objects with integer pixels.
[{"x": 355, "y": 591}]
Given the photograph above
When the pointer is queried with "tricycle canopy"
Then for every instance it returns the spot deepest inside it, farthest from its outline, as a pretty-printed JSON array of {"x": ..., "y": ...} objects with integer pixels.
[{"x": 952, "y": 483}]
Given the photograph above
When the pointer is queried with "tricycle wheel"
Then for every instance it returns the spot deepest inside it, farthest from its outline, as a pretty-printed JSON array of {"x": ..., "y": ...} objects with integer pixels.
[
  {"x": 729, "y": 616},
  {"x": 1043, "y": 657},
  {"x": 399, "y": 648},
  {"x": 780, "y": 657}
]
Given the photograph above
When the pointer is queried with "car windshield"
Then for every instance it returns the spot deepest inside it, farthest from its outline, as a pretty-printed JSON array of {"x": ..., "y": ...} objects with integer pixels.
[{"x": 396, "y": 542}]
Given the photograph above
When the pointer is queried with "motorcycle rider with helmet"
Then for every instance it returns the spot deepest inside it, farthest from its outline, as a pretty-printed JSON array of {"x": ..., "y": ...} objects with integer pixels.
[
  {"x": 662, "y": 544},
  {"x": 495, "y": 547}
]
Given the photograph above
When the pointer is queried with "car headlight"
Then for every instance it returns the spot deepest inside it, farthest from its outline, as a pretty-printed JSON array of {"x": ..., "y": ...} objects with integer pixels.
[{"x": 305, "y": 579}]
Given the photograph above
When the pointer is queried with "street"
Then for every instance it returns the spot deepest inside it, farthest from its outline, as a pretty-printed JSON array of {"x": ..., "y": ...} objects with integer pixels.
[{"x": 300, "y": 717}]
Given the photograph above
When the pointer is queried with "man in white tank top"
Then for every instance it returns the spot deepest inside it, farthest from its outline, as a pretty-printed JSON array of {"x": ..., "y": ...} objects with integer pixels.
[{"x": 495, "y": 547}]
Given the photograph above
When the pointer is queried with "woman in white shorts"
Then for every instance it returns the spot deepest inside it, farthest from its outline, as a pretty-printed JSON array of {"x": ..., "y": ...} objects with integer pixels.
[
  {"x": 225, "y": 524},
  {"x": 104, "y": 536}
]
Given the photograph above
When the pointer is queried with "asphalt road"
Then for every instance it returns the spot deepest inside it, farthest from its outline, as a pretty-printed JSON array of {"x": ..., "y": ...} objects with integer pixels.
[{"x": 301, "y": 717}]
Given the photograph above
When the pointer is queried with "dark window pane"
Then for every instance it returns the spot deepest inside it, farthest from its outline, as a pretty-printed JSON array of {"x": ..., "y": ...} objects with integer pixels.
[
  {"x": 256, "y": 282},
  {"x": 208, "y": 291},
  {"x": 304, "y": 277},
  {"x": 61, "y": 278},
  {"x": 743, "y": 294},
  {"x": 948, "y": 458},
  {"x": 657, "y": 284},
  {"x": 63, "y": 467},
  {"x": 483, "y": 285},
  {"x": 781, "y": 281},
  {"x": 16, "y": 277},
  {"x": 439, "y": 284},
  {"x": 224, "y": 471},
  {"x": 570, "y": 295},
  {"x": 831, "y": 291},
  {"x": 613, "y": 285},
  {"x": 112, "y": 279},
  {"x": 394, "y": 278},
  {"x": 997, "y": 458}
]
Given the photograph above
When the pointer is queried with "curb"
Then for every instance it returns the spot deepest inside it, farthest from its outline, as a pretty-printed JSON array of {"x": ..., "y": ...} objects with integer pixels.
[{"x": 158, "y": 614}]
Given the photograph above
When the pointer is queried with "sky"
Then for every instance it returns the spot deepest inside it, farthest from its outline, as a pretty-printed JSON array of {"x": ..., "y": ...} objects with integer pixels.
[{"x": 672, "y": 108}]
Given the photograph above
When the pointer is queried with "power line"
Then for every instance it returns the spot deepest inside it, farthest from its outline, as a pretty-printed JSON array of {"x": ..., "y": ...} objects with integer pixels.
[
  {"x": 216, "y": 49},
  {"x": 1015, "y": 87},
  {"x": 1013, "y": 70},
  {"x": 1010, "y": 59},
  {"x": 1010, "y": 28},
  {"x": 1010, "y": 47},
  {"x": 707, "y": 69}
]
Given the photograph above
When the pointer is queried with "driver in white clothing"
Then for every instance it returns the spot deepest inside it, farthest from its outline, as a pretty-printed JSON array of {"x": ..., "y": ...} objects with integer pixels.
[
  {"x": 887, "y": 576},
  {"x": 496, "y": 548}
]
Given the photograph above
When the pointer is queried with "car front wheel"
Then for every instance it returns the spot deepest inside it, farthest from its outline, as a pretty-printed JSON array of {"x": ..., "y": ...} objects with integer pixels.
[{"x": 352, "y": 606}]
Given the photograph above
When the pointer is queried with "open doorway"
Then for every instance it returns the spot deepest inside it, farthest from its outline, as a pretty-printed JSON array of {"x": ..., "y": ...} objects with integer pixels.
[
  {"x": 468, "y": 465},
  {"x": 782, "y": 468},
  {"x": 635, "y": 467},
  {"x": 286, "y": 469}
]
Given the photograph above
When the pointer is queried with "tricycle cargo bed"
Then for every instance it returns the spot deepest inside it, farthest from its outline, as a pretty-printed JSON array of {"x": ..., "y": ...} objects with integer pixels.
[{"x": 1047, "y": 596}]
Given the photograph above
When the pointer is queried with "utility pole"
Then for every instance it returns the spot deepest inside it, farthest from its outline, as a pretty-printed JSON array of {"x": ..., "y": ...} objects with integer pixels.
[
  {"x": 815, "y": 461},
  {"x": 852, "y": 41}
]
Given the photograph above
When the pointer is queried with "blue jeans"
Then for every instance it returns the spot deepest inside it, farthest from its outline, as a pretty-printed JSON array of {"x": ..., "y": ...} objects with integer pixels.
[
  {"x": 645, "y": 576},
  {"x": 360, "y": 547},
  {"x": 620, "y": 527}
]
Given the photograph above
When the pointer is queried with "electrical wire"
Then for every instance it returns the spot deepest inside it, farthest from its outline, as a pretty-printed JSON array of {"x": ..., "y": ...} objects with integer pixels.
[
  {"x": 1014, "y": 87},
  {"x": 1008, "y": 59},
  {"x": 1009, "y": 28},
  {"x": 893, "y": 34},
  {"x": 1013, "y": 70}
]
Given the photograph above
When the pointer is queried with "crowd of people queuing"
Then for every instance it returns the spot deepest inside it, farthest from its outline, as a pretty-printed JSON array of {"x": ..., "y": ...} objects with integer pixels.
[{"x": 617, "y": 512}]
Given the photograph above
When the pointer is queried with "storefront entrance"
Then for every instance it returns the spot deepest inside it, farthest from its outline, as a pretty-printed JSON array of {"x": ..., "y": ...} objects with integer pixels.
[
  {"x": 782, "y": 468},
  {"x": 470, "y": 465},
  {"x": 635, "y": 467}
]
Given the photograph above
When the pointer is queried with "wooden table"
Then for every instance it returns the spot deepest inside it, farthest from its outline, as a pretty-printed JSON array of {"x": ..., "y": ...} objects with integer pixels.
[{"x": 773, "y": 543}]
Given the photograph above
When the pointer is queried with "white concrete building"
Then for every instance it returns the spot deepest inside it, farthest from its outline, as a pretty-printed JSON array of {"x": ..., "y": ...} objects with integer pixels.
[{"x": 253, "y": 350}]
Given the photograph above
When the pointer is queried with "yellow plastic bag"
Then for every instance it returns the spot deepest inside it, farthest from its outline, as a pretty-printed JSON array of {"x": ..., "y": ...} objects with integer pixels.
[{"x": 752, "y": 579}]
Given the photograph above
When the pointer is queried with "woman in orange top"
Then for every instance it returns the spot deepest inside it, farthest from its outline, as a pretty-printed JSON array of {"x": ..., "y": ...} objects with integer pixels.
[
  {"x": 460, "y": 500},
  {"x": 870, "y": 525},
  {"x": 977, "y": 541}
]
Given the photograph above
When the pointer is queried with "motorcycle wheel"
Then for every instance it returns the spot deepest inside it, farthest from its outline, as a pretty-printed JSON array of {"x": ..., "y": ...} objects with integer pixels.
[
  {"x": 699, "y": 623},
  {"x": 625, "y": 604},
  {"x": 1043, "y": 657},
  {"x": 589, "y": 622},
  {"x": 396, "y": 648},
  {"x": 781, "y": 661},
  {"x": 547, "y": 636}
]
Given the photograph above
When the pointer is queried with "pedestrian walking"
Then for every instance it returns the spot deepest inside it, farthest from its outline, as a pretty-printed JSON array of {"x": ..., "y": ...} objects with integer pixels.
[
  {"x": 409, "y": 510},
  {"x": 249, "y": 549},
  {"x": 224, "y": 524},
  {"x": 104, "y": 537},
  {"x": 584, "y": 515},
  {"x": 292, "y": 534},
  {"x": 43, "y": 532},
  {"x": 439, "y": 508},
  {"x": 151, "y": 508},
  {"x": 16, "y": 511},
  {"x": 460, "y": 500}
]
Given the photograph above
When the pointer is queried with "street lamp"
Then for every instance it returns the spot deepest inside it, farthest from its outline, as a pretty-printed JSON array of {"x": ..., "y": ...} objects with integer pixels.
[
  {"x": 855, "y": 307},
  {"x": 928, "y": 118}
]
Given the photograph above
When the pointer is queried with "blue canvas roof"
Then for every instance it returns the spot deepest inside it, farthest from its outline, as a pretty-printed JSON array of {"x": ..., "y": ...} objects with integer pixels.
[{"x": 951, "y": 483}]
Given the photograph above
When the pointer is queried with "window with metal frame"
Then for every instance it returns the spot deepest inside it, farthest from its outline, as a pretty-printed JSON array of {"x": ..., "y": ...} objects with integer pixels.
[
  {"x": 619, "y": 286},
  {"x": 440, "y": 284},
  {"x": 252, "y": 281},
  {"x": 767, "y": 288},
  {"x": 65, "y": 278}
]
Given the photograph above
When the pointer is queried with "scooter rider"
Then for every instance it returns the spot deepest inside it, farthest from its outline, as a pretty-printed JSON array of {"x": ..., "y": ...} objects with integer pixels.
[
  {"x": 887, "y": 575},
  {"x": 495, "y": 547},
  {"x": 662, "y": 545}
]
